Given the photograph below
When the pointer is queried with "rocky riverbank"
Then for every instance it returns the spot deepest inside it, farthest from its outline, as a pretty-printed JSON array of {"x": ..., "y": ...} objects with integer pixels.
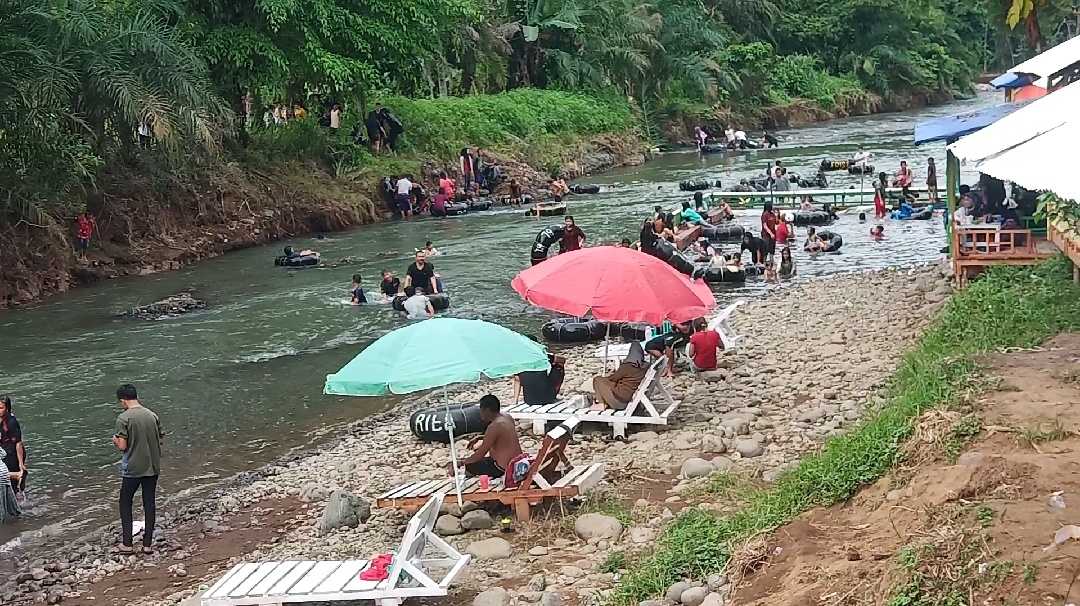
[
  {"x": 149, "y": 223},
  {"x": 811, "y": 362}
]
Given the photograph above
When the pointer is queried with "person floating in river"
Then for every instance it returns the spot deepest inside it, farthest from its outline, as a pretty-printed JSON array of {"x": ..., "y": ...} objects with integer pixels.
[
  {"x": 497, "y": 450},
  {"x": 417, "y": 306},
  {"x": 421, "y": 273},
  {"x": 356, "y": 293},
  {"x": 390, "y": 286},
  {"x": 877, "y": 232},
  {"x": 430, "y": 250},
  {"x": 787, "y": 263},
  {"x": 572, "y": 237},
  {"x": 814, "y": 242}
]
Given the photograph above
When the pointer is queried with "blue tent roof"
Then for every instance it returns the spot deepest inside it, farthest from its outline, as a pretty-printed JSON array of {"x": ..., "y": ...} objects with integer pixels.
[
  {"x": 954, "y": 127},
  {"x": 1011, "y": 80}
]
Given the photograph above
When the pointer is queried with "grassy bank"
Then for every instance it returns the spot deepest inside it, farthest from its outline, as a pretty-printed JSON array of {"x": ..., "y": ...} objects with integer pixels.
[{"x": 1006, "y": 307}]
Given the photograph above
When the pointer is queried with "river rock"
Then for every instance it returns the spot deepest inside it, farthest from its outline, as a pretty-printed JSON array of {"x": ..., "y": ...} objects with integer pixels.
[
  {"x": 693, "y": 596},
  {"x": 749, "y": 448},
  {"x": 551, "y": 599},
  {"x": 714, "y": 599},
  {"x": 495, "y": 548},
  {"x": 496, "y": 596},
  {"x": 343, "y": 508},
  {"x": 674, "y": 593},
  {"x": 170, "y": 307},
  {"x": 448, "y": 526},
  {"x": 696, "y": 468},
  {"x": 598, "y": 526},
  {"x": 538, "y": 551},
  {"x": 477, "y": 519},
  {"x": 312, "y": 492},
  {"x": 642, "y": 534}
]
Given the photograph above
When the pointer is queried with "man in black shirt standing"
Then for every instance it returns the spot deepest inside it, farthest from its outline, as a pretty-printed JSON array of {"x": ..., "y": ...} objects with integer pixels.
[
  {"x": 374, "y": 128},
  {"x": 421, "y": 273}
]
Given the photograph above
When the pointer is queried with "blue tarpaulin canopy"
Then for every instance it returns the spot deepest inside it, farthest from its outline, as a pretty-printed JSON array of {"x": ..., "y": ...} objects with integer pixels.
[
  {"x": 954, "y": 127},
  {"x": 1013, "y": 80}
]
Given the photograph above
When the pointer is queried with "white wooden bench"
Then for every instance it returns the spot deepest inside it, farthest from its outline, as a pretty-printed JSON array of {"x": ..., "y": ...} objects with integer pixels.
[
  {"x": 719, "y": 323},
  {"x": 641, "y": 408},
  {"x": 314, "y": 581},
  {"x": 550, "y": 475}
]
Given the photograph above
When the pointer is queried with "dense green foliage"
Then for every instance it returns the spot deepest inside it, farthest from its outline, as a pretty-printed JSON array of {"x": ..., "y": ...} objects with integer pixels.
[
  {"x": 1005, "y": 307},
  {"x": 78, "y": 77}
]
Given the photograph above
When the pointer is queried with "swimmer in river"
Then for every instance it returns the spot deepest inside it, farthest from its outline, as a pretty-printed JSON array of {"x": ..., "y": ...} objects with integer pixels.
[
  {"x": 357, "y": 295},
  {"x": 417, "y": 306},
  {"x": 877, "y": 232},
  {"x": 787, "y": 263},
  {"x": 430, "y": 250},
  {"x": 862, "y": 217},
  {"x": 390, "y": 286}
]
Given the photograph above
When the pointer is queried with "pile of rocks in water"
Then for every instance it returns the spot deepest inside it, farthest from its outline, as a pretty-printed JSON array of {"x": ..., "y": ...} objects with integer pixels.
[
  {"x": 171, "y": 307},
  {"x": 809, "y": 365}
]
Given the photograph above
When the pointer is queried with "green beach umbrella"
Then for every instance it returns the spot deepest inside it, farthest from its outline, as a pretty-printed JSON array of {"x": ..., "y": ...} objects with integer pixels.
[{"x": 436, "y": 353}]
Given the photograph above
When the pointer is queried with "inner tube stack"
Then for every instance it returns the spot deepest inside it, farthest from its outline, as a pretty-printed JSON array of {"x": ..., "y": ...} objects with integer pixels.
[
  {"x": 666, "y": 251},
  {"x": 439, "y": 302},
  {"x": 802, "y": 218},
  {"x": 429, "y": 424},
  {"x": 456, "y": 208},
  {"x": 724, "y": 275},
  {"x": 818, "y": 181},
  {"x": 574, "y": 330},
  {"x": 721, "y": 233},
  {"x": 694, "y": 185},
  {"x": 836, "y": 164},
  {"x": 481, "y": 204},
  {"x": 585, "y": 189},
  {"x": 865, "y": 170},
  {"x": 834, "y": 239},
  {"x": 308, "y": 261},
  {"x": 633, "y": 331}
]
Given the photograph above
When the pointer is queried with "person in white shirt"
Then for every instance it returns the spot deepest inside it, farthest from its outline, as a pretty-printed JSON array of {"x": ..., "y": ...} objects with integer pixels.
[
  {"x": 417, "y": 306},
  {"x": 335, "y": 117},
  {"x": 740, "y": 139},
  {"x": 404, "y": 196},
  {"x": 962, "y": 215},
  {"x": 861, "y": 157},
  {"x": 729, "y": 134}
]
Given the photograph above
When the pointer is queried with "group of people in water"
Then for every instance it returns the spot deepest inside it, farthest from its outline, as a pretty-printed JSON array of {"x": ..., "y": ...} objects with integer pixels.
[
  {"x": 421, "y": 279},
  {"x": 735, "y": 139}
]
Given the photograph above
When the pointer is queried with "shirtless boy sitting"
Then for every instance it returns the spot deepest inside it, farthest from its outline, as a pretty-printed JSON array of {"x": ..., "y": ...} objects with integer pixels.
[{"x": 497, "y": 447}]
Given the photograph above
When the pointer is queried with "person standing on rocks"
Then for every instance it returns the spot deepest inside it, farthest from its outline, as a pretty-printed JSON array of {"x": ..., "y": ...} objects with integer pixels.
[
  {"x": 139, "y": 436},
  {"x": 86, "y": 225},
  {"x": 497, "y": 448}
]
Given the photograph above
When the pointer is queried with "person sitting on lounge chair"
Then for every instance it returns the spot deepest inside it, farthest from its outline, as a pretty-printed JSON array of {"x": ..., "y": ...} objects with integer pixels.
[
  {"x": 540, "y": 386},
  {"x": 617, "y": 389},
  {"x": 497, "y": 448}
]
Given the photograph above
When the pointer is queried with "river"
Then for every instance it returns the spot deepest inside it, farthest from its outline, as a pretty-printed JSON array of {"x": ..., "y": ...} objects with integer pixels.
[{"x": 240, "y": 383}]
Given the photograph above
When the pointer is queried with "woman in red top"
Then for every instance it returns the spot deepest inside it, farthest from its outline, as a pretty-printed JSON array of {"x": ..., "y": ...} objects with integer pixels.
[
  {"x": 768, "y": 229},
  {"x": 703, "y": 347},
  {"x": 879, "y": 197},
  {"x": 573, "y": 238},
  {"x": 85, "y": 230},
  {"x": 783, "y": 232}
]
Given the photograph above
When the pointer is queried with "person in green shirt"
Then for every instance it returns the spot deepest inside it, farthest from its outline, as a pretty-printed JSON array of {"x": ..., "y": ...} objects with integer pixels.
[
  {"x": 690, "y": 215},
  {"x": 138, "y": 435}
]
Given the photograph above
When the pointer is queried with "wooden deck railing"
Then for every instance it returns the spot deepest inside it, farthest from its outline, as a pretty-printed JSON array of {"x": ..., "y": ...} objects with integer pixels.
[{"x": 976, "y": 248}]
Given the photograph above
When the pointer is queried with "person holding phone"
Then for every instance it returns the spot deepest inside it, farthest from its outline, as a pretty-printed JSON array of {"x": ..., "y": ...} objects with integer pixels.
[{"x": 139, "y": 437}]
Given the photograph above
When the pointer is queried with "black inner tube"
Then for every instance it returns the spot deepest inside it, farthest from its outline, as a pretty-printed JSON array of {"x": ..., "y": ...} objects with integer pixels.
[{"x": 544, "y": 240}]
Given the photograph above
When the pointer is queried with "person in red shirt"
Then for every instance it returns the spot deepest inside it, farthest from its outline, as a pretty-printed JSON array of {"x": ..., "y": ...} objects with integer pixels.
[
  {"x": 86, "y": 225},
  {"x": 703, "y": 347},
  {"x": 573, "y": 238},
  {"x": 768, "y": 229},
  {"x": 438, "y": 204},
  {"x": 783, "y": 231}
]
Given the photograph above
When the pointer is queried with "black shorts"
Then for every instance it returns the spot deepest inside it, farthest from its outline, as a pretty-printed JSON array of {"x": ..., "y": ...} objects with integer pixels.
[
  {"x": 770, "y": 246},
  {"x": 485, "y": 467},
  {"x": 537, "y": 260},
  {"x": 83, "y": 243}
]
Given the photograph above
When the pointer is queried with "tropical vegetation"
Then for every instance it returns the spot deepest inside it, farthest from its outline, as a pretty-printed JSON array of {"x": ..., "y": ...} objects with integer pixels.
[{"x": 80, "y": 78}]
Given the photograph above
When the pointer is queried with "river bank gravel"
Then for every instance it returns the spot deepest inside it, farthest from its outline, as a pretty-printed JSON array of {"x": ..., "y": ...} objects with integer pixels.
[{"x": 812, "y": 359}]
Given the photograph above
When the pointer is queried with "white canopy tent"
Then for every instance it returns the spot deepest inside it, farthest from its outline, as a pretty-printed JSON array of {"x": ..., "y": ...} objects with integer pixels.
[
  {"x": 1039, "y": 117},
  {"x": 1049, "y": 62},
  {"x": 1042, "y": 163}
]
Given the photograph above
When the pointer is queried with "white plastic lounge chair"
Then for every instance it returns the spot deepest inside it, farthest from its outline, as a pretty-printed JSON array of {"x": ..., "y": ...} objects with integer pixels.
[
  {"x": 578, "y": 407},
  {"x": 544, "y": 479},
  {"x": 719, "y": 323},
  {"x": 311, "y": 581}
]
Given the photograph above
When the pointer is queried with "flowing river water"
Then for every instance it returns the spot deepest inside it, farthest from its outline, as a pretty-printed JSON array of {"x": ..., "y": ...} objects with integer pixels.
[{"x": 240, "y": 384}]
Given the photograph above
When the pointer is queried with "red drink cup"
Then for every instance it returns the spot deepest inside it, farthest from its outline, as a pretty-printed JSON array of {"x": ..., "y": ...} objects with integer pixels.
[{"x": 484, "y": 485}]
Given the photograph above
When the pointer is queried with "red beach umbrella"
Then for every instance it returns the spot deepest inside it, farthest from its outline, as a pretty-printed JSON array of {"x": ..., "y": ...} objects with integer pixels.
[{"x": 614, "y": 284}]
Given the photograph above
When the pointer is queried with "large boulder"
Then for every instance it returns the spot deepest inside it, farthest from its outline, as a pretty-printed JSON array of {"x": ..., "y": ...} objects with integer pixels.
[
  {"x": 598, "y": 526},
  {"x": 343, "y": 508},
  {"x": 495, "y": 548}
]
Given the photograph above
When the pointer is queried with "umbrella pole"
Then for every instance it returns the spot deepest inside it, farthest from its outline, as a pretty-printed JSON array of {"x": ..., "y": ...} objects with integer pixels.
[{"x": 449, "y": 422}]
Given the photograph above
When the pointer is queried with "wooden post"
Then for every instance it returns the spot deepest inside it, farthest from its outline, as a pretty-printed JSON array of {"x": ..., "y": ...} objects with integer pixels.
[{"x": 952, "y": 184}]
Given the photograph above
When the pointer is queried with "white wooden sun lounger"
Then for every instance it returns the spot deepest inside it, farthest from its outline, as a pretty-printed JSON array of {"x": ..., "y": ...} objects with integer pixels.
[
  {"x": 640, "y": 410},
  {"x": 719, "y": 323},
  {"x": 312, "y": 581}
]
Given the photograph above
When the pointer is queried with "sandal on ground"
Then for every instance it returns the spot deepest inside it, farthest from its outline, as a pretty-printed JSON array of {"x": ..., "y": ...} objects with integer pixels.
[
  {"x": 148, "y": 551},
  {"x": 123, "y": 550}
]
